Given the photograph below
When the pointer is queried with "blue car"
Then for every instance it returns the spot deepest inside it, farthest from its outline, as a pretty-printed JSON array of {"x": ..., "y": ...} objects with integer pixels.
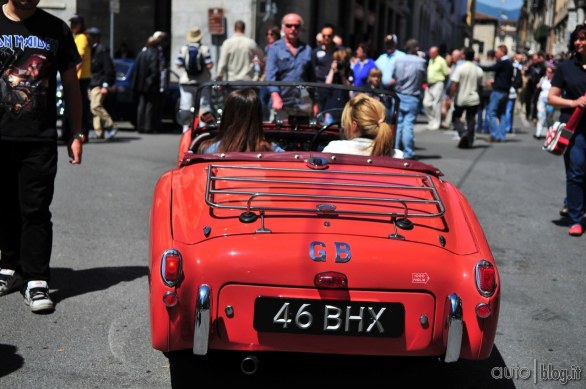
[{"x": 121, "y": 102}]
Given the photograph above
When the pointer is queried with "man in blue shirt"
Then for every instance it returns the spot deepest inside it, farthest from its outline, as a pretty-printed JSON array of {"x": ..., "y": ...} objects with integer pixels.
[
  {"x": 289, "y": 60},
  {"x": 408, "y": 77},
  {"x": 386, "y": 61}
]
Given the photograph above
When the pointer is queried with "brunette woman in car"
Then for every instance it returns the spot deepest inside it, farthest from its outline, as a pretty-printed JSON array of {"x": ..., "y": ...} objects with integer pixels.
[{"x": 241, "y": 126}]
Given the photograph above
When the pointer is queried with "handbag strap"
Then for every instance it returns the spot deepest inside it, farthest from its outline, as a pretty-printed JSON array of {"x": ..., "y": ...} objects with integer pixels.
[{"x": 574, "y": 119}]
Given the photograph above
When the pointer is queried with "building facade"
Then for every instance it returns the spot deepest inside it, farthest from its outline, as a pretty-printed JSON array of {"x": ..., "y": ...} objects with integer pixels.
[
  {"x": 547, "y": 24},
  {"x": 444, "y": 23}
]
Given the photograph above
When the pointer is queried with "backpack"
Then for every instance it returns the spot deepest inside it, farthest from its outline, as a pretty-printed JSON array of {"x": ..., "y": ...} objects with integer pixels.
[
  {"x": 517, "y": 79},
  {"x": 194, "y": 60}
]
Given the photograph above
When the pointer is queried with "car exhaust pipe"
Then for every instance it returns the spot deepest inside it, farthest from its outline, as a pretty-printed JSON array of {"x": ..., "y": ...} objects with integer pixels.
[{"x": 249, "y": 365}]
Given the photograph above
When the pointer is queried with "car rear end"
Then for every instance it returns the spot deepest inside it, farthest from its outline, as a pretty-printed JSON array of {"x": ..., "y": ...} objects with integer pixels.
[{"x": 320, "y": 254}]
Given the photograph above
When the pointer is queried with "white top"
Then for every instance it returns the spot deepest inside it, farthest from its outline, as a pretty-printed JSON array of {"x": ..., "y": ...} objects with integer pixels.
[{"x": 357, "y": 146}]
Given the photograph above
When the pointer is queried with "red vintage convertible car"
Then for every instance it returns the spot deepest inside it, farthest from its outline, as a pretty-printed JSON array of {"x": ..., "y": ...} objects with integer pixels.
[{"x": 306, "y": 251}]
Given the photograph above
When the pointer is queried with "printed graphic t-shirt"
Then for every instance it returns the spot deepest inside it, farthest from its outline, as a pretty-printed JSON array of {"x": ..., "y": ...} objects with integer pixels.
[{"x": 32, "y": 51}]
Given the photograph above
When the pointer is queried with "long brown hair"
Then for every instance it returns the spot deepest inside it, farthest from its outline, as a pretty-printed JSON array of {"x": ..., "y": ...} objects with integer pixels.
[
  {"x": 369, "y": 115},
  {"x": 241, "y": 125}
]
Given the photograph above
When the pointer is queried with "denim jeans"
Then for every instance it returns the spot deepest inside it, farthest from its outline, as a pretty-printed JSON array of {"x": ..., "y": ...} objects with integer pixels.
[
  {"x": 407, "y": 115},
  {"x": 509, "y": 112},
  {"x": 496, "y": 114},
  {"x": 575, "y": 161}
]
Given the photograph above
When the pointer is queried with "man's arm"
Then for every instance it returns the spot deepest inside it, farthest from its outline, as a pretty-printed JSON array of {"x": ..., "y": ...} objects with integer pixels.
[
  {"x": 72, "y": 98},
  {"x": 222, "y": 63}
]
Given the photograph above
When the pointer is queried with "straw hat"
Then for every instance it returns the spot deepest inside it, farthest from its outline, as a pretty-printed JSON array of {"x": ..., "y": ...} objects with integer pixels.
[{"x": 194, "y": 35}]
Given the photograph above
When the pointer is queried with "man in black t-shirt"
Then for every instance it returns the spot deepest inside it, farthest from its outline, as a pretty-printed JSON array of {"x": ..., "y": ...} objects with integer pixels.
[
  {"x": 36, "y": 45},
  {"x": 501, "y": 85}
]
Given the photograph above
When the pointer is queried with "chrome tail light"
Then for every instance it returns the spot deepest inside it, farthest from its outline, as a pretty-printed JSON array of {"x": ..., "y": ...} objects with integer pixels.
[
  {"x": 171, "y": 267},
  {"x": 485, "y": 278}
]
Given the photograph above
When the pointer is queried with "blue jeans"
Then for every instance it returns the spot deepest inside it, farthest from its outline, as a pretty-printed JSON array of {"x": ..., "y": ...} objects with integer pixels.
[
  {"x": 575, "y": 162},
  {"x": 407, "y": 115},
  {"x": 509, "y": 115},
  {"x": 496, "y": 114}
]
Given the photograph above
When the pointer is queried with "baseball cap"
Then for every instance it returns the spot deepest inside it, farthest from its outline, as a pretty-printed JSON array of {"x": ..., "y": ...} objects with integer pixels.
[{"x": 76, "y": 18}]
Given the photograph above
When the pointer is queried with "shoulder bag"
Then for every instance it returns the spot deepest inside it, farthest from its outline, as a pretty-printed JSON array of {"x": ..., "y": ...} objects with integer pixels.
[{"x": 559, "y": 135}]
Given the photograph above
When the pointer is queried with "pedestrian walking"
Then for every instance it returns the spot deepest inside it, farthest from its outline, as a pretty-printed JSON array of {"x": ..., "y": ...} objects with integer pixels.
[
  {"x": 148, "y": 83},
  {"x": 501, "y": 85},
  {"x": 408, "y": 77},
  {"x": 534, "y": 72},
  {"x": 437, "y": 71},
  {"x": 28, "y": 144},
  {"x": 568, "y": 86},
  {"x": 78, "y": 28},
  {"x": 194, "y": 62},
  {"x": 103, "y": 78},
  {"x": 237, "y": 56},
  {"x": 466, "y": 81},
  {"x": 482, "y": 122},
  {"x": 545, "y": 111}
]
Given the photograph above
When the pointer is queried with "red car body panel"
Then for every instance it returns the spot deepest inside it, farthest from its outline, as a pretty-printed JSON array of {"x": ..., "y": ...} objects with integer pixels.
[
  {"x": 258, "y": 227},
  {"x": 239, "y": 264}
]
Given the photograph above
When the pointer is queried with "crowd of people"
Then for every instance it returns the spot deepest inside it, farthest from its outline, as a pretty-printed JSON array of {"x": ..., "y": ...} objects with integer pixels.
[{"x": 456, "y": 89}]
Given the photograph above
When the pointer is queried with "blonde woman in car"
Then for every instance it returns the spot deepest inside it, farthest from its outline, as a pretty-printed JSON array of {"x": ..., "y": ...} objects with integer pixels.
[{"x": 366, "y": 131}]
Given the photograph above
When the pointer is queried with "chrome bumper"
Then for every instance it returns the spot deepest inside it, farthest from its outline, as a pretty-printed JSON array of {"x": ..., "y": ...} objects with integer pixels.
[
  {"x": 201, "y": 331},
  {"x": 453, "y": 328}
]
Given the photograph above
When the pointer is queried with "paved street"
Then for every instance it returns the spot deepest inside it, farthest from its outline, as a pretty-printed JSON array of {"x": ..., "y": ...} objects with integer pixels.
[{"x": 98, "y": 337}]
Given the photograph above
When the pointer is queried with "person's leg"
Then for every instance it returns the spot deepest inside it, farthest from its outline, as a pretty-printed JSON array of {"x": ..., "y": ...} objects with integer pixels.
[
  {"x": 36, "y": 188},
  {"x": 412, "y": 105},
  {"x": 575, "y": 160},
  {"x": 84, "y": 85},
  {"x": 492, "y": 112},
  {"x": 456, "y": 120},
  {"x": 10, "y": 226},
  {"x": 140, "y": 113},
  {"x": 471, "y": 113},
  {"x": 95, "y": 104},
  {"x": 540, "y": 128},
  {"x": 400, "y": 121},
  {"x": 508, "y": 122},
  {"x": 502, "y": 115}
]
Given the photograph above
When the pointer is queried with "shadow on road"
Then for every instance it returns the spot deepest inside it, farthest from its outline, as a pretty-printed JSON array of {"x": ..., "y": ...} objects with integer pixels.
[
  {"x": 316, "y": 370},
  {"x": 70, "y": 282},
  {"x": 9, "y": 360}
]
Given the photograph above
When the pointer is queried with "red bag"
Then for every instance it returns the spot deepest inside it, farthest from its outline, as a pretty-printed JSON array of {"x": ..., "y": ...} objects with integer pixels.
[{"x": 559, "y": 135}]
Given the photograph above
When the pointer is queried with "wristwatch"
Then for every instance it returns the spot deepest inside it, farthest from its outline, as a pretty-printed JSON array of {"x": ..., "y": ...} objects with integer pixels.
[{"x": 80, "y": 136}]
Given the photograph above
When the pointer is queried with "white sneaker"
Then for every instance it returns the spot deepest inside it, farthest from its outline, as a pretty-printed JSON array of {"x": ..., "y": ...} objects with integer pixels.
[
  {"x": 36, "y": 296},
  {"x": 7, "y": 281}
]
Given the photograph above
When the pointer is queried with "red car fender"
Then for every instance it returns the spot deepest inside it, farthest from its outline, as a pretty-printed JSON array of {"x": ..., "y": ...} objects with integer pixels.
[
  {"x": 478, "y": 329},
  {"x": 160, "y": 240}
]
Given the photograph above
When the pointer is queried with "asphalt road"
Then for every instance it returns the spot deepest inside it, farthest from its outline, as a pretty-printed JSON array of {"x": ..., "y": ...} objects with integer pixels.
[{"x": 99, "y": 335}]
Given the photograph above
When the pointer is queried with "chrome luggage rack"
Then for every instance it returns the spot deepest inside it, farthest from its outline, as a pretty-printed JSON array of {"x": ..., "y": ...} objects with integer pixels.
[{"x": 260, "y": 191}]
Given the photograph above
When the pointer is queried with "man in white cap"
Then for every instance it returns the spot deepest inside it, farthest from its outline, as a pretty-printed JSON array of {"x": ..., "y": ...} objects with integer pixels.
[{"x": 195, "y": 62}]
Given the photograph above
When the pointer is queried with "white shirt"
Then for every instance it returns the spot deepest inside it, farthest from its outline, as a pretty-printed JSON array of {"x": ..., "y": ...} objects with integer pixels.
[{"x": 356, "y": 146}]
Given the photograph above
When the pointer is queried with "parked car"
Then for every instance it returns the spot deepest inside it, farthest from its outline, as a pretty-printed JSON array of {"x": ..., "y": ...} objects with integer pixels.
[
  {"x": 313, "y": 252},
  {"x": 121, "y": 102}
]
